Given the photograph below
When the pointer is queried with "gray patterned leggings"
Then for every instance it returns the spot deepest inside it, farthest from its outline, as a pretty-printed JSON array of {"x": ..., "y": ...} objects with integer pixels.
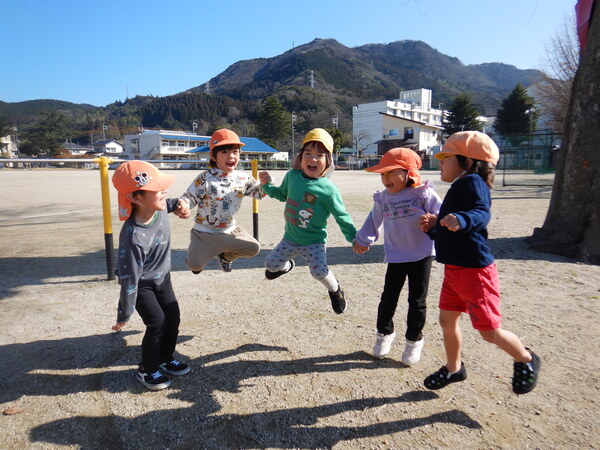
[{"x": 315, "y": 256}]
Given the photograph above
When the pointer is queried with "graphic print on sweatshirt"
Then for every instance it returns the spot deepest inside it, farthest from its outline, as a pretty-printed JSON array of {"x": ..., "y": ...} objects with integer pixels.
[
  {"x": 299, "y": 214},
  {"x": 402, "y": 209}
]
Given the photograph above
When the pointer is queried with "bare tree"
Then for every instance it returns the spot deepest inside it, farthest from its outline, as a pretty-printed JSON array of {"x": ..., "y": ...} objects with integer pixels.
[
  {"x": 559, "y": 65},
  {"x": 572, "y": 225},
  {"x": 359, "y": 142}
]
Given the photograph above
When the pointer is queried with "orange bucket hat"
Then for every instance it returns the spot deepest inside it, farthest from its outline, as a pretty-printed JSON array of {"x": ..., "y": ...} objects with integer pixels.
[
  {"x": 134, "y": 176},
  {"x": 400, "y": 158},
  {"x": 224, "y": 137},
  {"x": 471, "y": 144}
]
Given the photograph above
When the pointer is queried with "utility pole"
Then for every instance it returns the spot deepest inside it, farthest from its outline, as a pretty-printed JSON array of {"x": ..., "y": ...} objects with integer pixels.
[{"x": 293, "y": 144}]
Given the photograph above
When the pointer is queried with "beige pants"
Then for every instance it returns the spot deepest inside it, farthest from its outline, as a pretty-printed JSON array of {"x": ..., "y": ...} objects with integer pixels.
[{"x": 205, "y": 246}]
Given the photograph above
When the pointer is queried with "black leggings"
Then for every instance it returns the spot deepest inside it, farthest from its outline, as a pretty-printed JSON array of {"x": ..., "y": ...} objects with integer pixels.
[
  {"x": 418, "y": 283},
  {"x": 158, "y": 308}
]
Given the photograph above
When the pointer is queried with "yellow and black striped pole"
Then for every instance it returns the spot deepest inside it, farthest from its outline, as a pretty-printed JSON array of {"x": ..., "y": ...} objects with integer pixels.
[
  {"x": 254, "y": 163},
  {"x": 103, "y": 163}
]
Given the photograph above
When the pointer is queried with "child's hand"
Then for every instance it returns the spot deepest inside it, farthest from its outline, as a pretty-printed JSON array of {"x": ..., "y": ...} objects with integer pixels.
[
  {"x": 183, "y": 209},
  {"x": 451, "y": 222},
  {"x": 117, "y": 327},
  {"x": 427, "y": 221},
  {"x": 264, "y": 177},
  {"x": 360, "y": 249}
]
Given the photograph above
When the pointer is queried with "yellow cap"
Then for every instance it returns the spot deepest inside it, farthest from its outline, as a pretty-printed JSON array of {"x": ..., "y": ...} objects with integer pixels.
[{"x": 319, "y": 135}]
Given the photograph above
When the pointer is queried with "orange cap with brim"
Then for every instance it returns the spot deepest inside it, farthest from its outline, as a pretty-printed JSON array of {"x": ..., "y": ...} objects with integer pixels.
[
  {"x": 400, "y": 158},
  {"x": 471, "y": 144},
  {"x": 134, "y": 176},
  {"x": 319, "y": 135},
  {"x": 224, "y": 137}
]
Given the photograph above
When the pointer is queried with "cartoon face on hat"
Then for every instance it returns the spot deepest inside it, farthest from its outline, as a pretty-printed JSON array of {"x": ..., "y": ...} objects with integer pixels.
[
  {"x": 224, "y": 137},
  {"x": 400, "y": 158},
  {"x": 471, "y": 144},
  {"x": 134, "y": 176}
]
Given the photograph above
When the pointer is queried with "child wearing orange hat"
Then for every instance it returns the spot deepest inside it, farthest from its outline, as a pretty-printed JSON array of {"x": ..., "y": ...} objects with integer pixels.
[
  {"x": 468, "y": 160},
  {"x": 310, "y": 198},
  {"x": 408, "y": 251},
  {"x": 144, "y": 265},
  {"x": 218, "y": 193}
]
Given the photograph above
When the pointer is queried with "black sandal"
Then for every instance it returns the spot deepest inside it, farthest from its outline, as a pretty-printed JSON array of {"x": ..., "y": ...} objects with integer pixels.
[
  {"x": 525, "y": 375},
  {"x": 440, "y": 379}
]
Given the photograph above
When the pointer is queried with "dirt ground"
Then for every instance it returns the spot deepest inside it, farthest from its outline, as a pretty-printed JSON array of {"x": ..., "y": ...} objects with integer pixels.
[{"x": 272, "y": 365}]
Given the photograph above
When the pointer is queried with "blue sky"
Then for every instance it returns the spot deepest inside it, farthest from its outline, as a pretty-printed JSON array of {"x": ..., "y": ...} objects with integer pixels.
[{"x": 99, "y": 52}]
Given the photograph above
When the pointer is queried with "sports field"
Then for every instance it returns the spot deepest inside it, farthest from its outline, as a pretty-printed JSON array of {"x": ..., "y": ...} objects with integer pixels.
[{"x": 272, "y": 365}]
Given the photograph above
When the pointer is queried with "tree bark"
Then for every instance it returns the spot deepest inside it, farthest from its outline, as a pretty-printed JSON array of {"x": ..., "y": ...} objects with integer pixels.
[{"x": 572, "y": 225}]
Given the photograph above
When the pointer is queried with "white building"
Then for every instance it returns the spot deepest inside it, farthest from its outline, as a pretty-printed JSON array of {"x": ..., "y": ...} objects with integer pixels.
[
  {"x": 162, "y": 144},
  {"x": 109, "y": 146},
  {"x": 407, "y": 121},
  {"x": 170, "y": 145}
]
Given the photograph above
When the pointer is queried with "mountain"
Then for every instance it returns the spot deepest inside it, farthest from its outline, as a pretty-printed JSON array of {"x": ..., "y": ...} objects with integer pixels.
[
  {"x": 346, "y": 76},
  {"x": 314, "y": 80},
  {"x": 24, "y": 113}
]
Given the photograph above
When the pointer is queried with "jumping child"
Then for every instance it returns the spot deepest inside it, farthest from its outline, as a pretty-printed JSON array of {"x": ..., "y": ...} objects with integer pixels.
[
  {"x": 408, "y": 250},
  {"x": 144, "y": 265},
  {"x": 218, "y": 192},
  {"x": 468, "y": 160},
  {"x": 310, "y": 198}
]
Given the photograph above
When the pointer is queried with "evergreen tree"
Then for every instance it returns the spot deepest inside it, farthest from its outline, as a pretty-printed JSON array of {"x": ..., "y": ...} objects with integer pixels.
[
  {"x": 462, "y": 116},
  {"x": 274, "y": 122},
  {"x": 50, "y": 132},
  {"x": 516, "y": 115}
]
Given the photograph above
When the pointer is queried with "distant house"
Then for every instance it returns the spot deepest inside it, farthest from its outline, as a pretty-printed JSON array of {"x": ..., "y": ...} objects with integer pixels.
[
  {"x": 108, "y": 146},
  {"x": 76, "y": 149},
  {"x": 162, "y": 145},
  {"x": 8, "y": 148}
]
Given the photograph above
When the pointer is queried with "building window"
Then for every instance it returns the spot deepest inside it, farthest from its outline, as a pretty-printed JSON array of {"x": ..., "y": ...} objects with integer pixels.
[{"x": 409, "y": 133}]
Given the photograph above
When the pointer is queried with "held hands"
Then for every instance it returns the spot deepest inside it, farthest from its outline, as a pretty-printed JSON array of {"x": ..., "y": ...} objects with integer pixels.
[
  {"x": 183, "y": 209},
  {"x": 118, "y": 326},
  {"x": 360, "y": 249},
  {"x": 264, "y": 178},
  {"x": 451, "y": 222},
  {"x": 427, "y": 222}
]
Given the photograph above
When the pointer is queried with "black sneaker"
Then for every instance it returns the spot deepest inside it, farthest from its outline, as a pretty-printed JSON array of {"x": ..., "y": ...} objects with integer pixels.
[
  {"x": 440, "y": 379},
  {"x": 225, "y": 265},
  {"x": 155, "y": 381},
  {"x": 338, "y": 302},
  {"x": 272, "y": 275},
  {"x": 174, "y": 367},
  {"x": 525, "y": 375},
  {"x": 196, "y": 272}
]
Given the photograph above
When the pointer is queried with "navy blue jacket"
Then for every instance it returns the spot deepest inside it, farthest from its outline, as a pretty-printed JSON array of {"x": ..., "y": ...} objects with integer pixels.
[{"x": 469, "y": 200}]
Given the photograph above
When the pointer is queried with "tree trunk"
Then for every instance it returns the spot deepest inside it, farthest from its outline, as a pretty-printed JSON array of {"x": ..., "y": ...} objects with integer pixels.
[{"x": 572, "y": 225}]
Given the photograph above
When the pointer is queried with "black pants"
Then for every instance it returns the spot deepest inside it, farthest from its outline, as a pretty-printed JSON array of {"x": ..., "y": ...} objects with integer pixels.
[
  {"x": 418, "y": 283},
  {"x": 158, "y": 308}
]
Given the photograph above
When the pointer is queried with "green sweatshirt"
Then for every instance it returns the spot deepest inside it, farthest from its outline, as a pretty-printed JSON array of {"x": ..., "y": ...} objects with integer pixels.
[{"x": 308, "y": 204}]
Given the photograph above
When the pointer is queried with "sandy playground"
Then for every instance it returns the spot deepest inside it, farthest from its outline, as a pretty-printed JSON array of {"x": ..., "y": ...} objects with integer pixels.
[{"x": 272, "y": 365}]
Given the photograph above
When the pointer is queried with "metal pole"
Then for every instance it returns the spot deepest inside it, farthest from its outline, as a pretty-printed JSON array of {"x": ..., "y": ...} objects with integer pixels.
[
  {"x": 254, "y": 163},
  {"x": 103, "y": 163}
]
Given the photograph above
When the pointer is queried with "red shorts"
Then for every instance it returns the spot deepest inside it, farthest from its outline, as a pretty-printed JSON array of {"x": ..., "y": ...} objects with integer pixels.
[{"x": 473, "y": 291}]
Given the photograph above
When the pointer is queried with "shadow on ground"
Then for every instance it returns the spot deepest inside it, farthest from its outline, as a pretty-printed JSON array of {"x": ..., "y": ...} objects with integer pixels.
[{"x": 36, "y": 368}]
